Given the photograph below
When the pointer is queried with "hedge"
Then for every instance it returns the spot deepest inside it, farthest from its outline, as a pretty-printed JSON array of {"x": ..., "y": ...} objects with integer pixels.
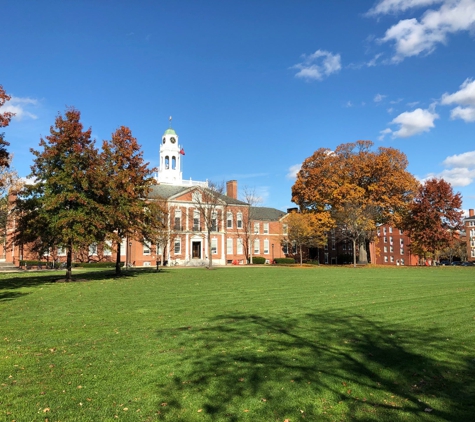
[
  {"x": 258, "y": 260},
  {"x": 284, "y": 260}
]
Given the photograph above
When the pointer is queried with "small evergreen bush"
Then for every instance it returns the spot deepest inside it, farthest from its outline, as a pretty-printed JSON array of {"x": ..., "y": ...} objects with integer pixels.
[
  {"x": 284, "y": 260},
  {"x": 258, "y": 260}
]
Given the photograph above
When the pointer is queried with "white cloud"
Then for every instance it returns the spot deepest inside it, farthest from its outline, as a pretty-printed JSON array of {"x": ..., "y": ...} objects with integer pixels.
[
  {"x": 465, "y": 96},
  {"x": 349, "y": 104},
  {"x": 318, "y": 65},
  {"x": 383, "y": 133},
  {"x": 385, "y": 7},
  {"x": 413, "y": 37},
  {"x": 467, "y": 114},
  {"x": 460, "y": 169},
  {"x": 293, "y": 170},
  {"x": 414, "y": 122},
  {"x": 378, "y": 98},
  {"x": 413, "y": 104},
  {"x": 19, "y": 106}
]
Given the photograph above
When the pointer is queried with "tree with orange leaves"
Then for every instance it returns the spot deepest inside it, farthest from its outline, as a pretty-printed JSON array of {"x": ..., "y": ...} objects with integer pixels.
[
  {"x": 5, "y": 118},
  {"x": 355, "y": 174}
]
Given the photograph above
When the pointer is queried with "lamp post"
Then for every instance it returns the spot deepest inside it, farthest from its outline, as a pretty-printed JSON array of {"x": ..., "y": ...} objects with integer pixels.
[{"x": 272, "y": 253}]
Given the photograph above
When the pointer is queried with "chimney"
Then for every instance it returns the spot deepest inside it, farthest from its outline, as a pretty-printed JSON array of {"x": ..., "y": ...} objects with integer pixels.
[
  {"x": 231, "y": 189},
  {"x": 290, "y": 210},
  {"x": 471, "y": 213}
]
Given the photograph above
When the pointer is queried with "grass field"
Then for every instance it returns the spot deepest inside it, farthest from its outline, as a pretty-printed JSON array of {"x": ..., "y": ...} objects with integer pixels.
[{"x": 239, "y": 344}]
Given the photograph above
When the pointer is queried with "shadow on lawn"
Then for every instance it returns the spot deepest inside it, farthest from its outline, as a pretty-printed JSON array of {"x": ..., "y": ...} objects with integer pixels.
[
  {"x": 13, "y": 281},
  {"x": 321, "y": 366}
]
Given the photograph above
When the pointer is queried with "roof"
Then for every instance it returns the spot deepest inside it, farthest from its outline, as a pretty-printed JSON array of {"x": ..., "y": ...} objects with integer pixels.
[
  {"x": 170, "y": 131},
  {"x": 168, "y": 191},
  {"x": 265, "y": 213}
]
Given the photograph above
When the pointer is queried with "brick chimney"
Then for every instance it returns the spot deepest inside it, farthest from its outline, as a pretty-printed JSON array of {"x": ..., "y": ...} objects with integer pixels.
[
  {"x": 471, "y": 213},
  {"x": 232, "y": 189}
]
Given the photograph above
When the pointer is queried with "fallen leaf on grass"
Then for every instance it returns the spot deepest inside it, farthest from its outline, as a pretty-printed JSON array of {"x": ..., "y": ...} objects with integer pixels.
[
  {"x": 46, "y": 409},
  {"x": 164, "y": 404},
  {"x": 200, "y": 410},
  {"x": 428, "y": 409}
]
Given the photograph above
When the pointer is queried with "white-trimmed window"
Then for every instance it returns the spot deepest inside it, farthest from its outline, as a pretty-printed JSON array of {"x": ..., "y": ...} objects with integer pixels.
[
  {"x": 146, "y": 247},
  {"x": 229, "y": 246},
  {"x": 384, "y": 230},
  {"x": 93, "y": 249},
  {"x": 391, "y": 249},
  {"x": 392, "y": 258},
  {"x": 400, "y": 232},
  {"x": 385, "y": 259},
  {"x": 214, "y": 246},
  {"x": 214, "y": 221},
  {"x": 473, "y": 253},
  {"x": 385, "y": 240},
  {"x": 266, "y": 246},
  {"x": 402, "y": 261},
  {"x": 391, "y": 240},
  {"x": 177, "y": 225},
  {"x": 256, "y": 228},
  {"x": 385, "y": 249},
  {"x": 229, "y": 220},
  {"x": 196, "y": 220},
  {"x": 266, "y": 228},
  {"x": 256, "y": 246},
  {"x": 390, "y": 229},
  {"x": 240, "y": 247},
  {"x": 285, "y": 248},
  {"x": 61, "y": 251},
  {"x": 472, "y": 243},
  {"x": 108, "y": 248},
  {"x": 326, "y": 257},
  {"x": 401, "y": 251},
  {"x": 239, "y": 220},
  {"x": 177, "y": 244}
]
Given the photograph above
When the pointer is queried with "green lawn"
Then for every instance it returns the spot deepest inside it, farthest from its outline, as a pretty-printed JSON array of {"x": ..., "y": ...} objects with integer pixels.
[{"x": 239, "y": 344}]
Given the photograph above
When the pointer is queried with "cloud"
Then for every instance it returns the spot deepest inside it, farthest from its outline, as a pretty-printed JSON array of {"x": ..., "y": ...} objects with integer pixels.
[
  {"x": 383, "y": 133},
  {"x": 465, "y": 96},
  {"x": 460, "y": 169},
  {"x": 318, "y": 65},
  {"x": 19, "y": 106},
  {"x": 378, "y": 98},
  {"x": 413, "y": 122},
  {"x": 385, "y": 7},
  {"x": 293, "y": 170},
  {"x": 412, "y": 37}
]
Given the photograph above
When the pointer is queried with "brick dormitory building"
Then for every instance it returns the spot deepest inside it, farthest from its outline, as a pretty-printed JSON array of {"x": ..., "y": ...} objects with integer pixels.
[{"x": 188, "y": 244}]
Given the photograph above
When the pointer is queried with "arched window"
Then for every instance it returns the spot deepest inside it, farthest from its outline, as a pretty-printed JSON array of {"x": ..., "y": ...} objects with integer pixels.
[
  {"x": 167, "y": 162},
  {"x": 173, "y": 163}
]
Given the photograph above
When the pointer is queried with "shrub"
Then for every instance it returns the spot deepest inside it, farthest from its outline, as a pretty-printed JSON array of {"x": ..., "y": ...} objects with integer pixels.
[
  {"x": 32, "y": 263},
  {"x": 258, "y": 260},
  {"x": 284, "y": 260},
  {"x": 97, "y": 264}
]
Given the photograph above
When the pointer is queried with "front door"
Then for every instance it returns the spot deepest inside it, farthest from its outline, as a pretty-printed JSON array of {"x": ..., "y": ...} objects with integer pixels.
[{"x": 196, "y": 250}]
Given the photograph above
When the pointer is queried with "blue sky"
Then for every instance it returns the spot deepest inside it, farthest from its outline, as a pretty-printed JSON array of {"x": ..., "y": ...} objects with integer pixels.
[{"x": 254, "y": 87}]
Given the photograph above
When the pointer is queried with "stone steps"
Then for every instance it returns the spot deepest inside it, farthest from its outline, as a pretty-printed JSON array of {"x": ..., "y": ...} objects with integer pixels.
[{"x": 8, "y": 267}]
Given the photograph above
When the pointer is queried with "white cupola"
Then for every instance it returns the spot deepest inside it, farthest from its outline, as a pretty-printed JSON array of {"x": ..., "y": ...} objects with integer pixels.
[{"x": 169, "y": 171}]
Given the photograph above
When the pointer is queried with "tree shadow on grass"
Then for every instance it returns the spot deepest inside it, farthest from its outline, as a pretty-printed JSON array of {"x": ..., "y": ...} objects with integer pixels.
[{"x": 321, "y": 366}]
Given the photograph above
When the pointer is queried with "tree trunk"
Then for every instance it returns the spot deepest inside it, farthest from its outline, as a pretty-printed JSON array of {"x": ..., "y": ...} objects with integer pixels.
[
  {"x": 69, "y": 262},
  {"x": 210, "y": 255},
  {"x": 301, "y": 261},
  {"x": 117, "y": 260},
  {"x": 362, "y": 256},
  {"x": 354, "y": 253}
]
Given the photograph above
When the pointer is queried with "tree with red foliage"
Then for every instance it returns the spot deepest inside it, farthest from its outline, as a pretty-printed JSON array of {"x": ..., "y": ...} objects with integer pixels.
[
  {"x": 433, "y": 216},
  {"x": 5, "y": 118},
  {"x": 125, "y": 182}
]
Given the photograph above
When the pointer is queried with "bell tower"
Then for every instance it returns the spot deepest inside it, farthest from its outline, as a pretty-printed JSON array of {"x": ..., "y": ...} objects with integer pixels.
[{"x": 169, "y": 171}]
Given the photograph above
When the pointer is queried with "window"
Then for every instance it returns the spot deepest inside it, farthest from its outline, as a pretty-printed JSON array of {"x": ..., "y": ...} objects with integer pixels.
[
  {"x": 214, "y": 221},
  {"x": 240, "y": 248},
  {"x": 239, "y": 220},
  {"x": 326, "y": 257},
  {"x": 472, "y": 233},
  {"x": 344, "y": 246},
  {"x": 256, "y": 228},
  {"x": 326, "y": 246},
  {"x": 266, "y": 246},
  {"x": 333, "y": 244},
  {"x": 350, "y": 246},
  {"x": 93, "y": 249},
  {"x": 384, "y": 230},
  {"x": 108, "y": 248},
  {"x": 385, "y": 259},
  {"x": 229, "y": 246},
  {"x": 401, "y": 251},
  {"x": 177, "y": 219},
  {"x": 266, "y": 228},
  {"x": 385, "y": 239},
  {"x": 391, "y": 240},
  {"x": 392, "y": 258},
  {"x": 229, "y": 220},
  {"x": 391, "y": 249},
  {"x": 473, "y": 253},
  {"x": 285, "y": 229},
  {"x": 146, "y": 247},
  {"x": 401, "y": 242},
  {"x": 285, "y": 248},
  {"x": 177, "y": 246},
  {"x": 385, "y": 249},
  {"x": 256, "y": 246},
  {"x": 390, "y": 229},
  {"x": 378, "y": 231},
  {"x": 472, "y": 243},
  {"x": 123, "y": 247},
  {"x": 196, "y": 220},
  {"x": 402, "y": 261},
  {"x": 214, "y": 246},
  {"x": 61, "y": 251},
  {"x": 400, "y": 232}
]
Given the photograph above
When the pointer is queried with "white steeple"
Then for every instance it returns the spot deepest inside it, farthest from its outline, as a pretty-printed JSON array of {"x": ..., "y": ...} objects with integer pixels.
[{"x": 169, "y": 171}]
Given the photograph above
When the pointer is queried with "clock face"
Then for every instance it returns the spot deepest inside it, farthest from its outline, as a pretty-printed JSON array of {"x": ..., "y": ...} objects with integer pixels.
[{"x": 172, "y": 140}]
